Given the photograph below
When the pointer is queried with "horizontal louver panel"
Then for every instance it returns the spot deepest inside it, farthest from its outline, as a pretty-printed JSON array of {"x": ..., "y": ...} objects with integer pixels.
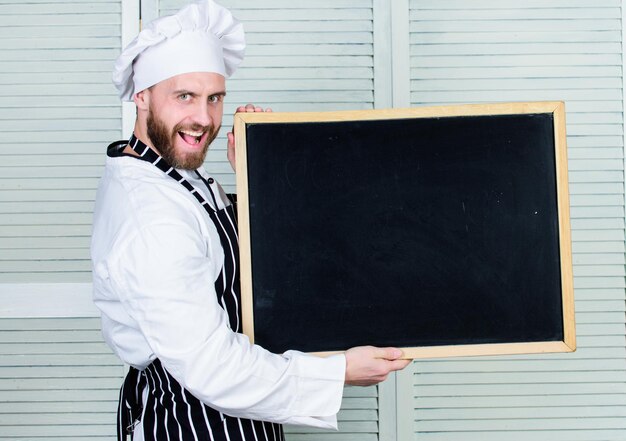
[
  {"x": 488, "y": 51},
  {"x": 57, "y": 380},
  {"x": 58, "y": 112}
]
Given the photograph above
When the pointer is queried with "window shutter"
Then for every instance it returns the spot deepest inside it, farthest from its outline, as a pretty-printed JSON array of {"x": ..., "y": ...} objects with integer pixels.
[
  {"x": 58, "y": 380},
  {"x": 490, "y": 51},
  {"x": 58, "y": 112}
]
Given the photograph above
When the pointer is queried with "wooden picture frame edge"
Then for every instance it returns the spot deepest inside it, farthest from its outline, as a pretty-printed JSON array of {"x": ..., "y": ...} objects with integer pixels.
[
  {"x": 243, "y": 226},
  {"x": 399, "y": 113},
  {"x": 557, "y": 108},
  {"x": 429, "y": 352},
  {"x": 567, "y": 276}
]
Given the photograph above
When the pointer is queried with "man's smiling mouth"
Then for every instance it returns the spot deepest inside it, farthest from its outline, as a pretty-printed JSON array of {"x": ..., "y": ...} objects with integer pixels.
[{"x": 191, "y": 137}]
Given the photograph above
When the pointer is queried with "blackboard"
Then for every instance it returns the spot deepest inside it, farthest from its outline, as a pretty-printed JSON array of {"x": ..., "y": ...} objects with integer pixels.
[{"x": 442, "y": 230}]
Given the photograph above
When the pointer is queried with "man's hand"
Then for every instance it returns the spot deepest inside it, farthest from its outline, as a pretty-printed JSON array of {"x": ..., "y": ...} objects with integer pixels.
[
  {"x": 230, "y": 154},
  {"x": 368, "y": 365}
]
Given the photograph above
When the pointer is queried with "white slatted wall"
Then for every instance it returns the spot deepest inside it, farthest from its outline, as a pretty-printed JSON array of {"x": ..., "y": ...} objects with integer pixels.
[
  {"x": 58, "y": 111},
  {"x": 58, "y": 381},
  {"x": 303, "y": 56},
  {"x": 506, "y": 50}
]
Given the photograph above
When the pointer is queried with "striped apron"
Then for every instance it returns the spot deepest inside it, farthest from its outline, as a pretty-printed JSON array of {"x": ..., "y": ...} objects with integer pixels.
[{"x": 172, "y": 413}]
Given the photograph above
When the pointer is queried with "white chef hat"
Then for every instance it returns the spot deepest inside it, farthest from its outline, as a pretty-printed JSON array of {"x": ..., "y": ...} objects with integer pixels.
[{"x": 201, "y": 37}]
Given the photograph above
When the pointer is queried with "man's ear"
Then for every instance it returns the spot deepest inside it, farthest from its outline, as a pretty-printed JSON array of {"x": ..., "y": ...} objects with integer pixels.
[{"x": 142, "y": 99}]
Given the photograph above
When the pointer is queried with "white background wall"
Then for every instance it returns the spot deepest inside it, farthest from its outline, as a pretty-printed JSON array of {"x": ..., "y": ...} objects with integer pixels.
[{"x": 58, "y": 111}]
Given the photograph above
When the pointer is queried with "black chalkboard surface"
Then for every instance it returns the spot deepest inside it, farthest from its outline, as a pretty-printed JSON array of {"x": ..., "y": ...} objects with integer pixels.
[{"x": 444, "y": 231}]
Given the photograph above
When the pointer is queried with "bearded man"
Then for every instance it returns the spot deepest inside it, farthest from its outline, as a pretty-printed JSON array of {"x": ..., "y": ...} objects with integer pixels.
[{"x": 165, "y": 255}]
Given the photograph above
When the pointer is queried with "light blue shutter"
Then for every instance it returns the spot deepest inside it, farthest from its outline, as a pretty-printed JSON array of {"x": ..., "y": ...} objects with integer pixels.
[
  {"x": 58, "y": 380},
  {"x": 505, "y": 50},
  {"x": 58, "y": 112}
]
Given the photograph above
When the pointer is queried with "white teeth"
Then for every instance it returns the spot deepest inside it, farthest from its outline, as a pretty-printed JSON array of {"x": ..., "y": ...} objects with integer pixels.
[{"x": 190, "y": 133}]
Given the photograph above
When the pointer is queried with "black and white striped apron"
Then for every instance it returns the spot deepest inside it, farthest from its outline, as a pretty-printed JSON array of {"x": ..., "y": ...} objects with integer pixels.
[{"x": 172, "y": 413}]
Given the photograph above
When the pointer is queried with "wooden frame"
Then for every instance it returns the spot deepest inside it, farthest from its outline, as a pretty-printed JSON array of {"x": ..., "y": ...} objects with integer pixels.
[{"x": 556, "y": 109}]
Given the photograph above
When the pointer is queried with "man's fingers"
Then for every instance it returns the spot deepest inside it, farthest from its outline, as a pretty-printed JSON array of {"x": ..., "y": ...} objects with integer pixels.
[
  {"x": 247, "y": 108},
  {"x": 388, "y": 353},
  {"x": 230, "y": 150},
  {"x": 250, "y": 108},
  {"x": 366, "y": 365}
]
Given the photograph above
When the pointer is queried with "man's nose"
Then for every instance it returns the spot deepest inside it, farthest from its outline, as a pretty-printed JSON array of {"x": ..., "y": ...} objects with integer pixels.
[{"x": 202, "y": 115}]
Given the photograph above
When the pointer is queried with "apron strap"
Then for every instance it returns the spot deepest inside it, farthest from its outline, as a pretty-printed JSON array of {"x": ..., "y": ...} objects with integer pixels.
[
  {"x": 130, "y": 405},
  {"x": 150, "y": 155}
]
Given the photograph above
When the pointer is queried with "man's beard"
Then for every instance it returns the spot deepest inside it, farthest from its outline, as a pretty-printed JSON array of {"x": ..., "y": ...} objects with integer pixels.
[{"x": 164, "y": 142}]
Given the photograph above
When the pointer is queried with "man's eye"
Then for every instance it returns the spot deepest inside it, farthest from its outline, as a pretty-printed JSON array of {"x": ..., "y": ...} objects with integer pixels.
[
  {"x": 183, "y": 96},
  {"x": 215, "y": 98}
]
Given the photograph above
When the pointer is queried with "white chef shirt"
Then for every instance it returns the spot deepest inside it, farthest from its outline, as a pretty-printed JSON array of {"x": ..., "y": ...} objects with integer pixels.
[{"x": 156, "y": 255}]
